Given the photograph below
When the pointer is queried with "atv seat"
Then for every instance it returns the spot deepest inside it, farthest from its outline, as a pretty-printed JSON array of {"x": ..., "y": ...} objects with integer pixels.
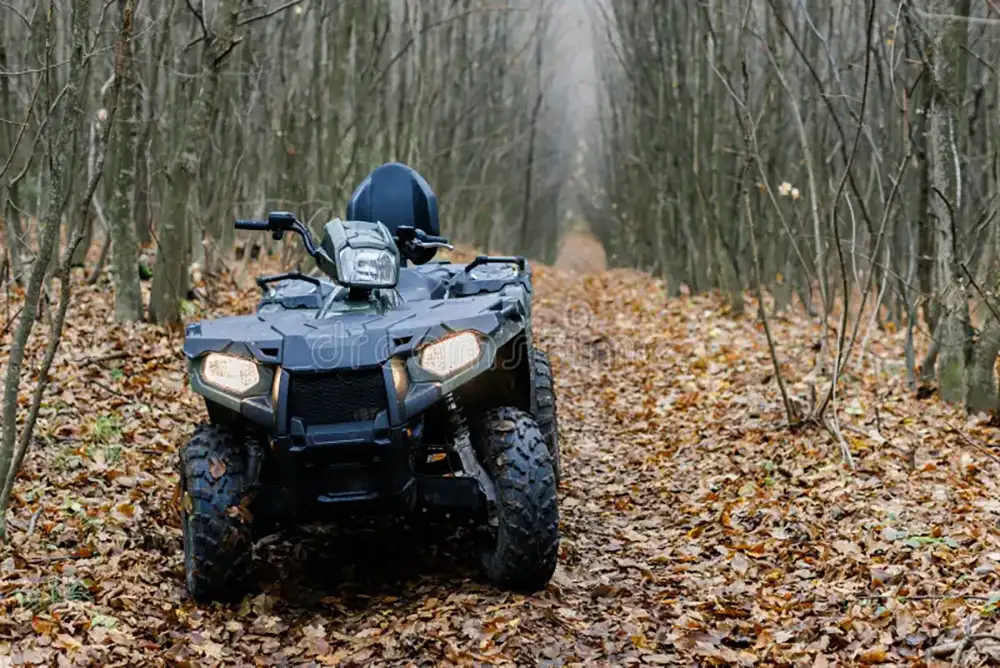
[{"x": 396, "y": 195}]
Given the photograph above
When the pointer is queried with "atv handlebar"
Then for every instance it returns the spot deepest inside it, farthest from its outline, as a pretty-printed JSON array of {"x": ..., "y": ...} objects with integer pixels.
[
  {"x": 413, "y": 238},
  {"x": 279, "y": 222},
  {"x": 431, "y": 239},
  {"x": 408, "y": 238},
  {"x": 260, "y": 225}
]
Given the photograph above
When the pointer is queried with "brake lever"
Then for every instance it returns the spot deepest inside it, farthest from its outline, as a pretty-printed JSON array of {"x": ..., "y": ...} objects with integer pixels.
[
  {"x": 417, "y": 243},
  {"x": 435, "y": 244}
]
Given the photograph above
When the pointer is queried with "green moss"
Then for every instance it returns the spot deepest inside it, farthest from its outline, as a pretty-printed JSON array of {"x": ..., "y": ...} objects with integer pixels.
[{"x": 951, "y": 378}]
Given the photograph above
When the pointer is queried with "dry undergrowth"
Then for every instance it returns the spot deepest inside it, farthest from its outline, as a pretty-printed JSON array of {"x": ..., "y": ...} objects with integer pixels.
[{"x": 696, "y": 529}]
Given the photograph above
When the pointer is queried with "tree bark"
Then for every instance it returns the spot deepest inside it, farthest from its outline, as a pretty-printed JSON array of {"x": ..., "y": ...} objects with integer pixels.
[
  {"x": 13, "y": 233},
  {"x": 170, "y": 276},
  {"x": 953, "y": 328},
  {"x": 124, "y": 144}
]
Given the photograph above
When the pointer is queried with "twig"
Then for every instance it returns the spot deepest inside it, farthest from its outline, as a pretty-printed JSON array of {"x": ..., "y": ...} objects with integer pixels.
[
  {"x": 976, "y": 286},
  {"x": 39, "y": 136},
  {"x": 110, "y": 389},
  {"x": 857, "y": 430},
  {"x": 7, "y": 5},
  {"x": 19, "y": 445},
  {"x": 967, "y": 643},
  {"x": 839, "y": 359},
  {"x": 57, "y": 557},
  {"x": 923, "y": 597},
  {"x": 200, "y": 17},
  {"x": 33, "y": 522},
  {"x": 10, "y": 322},
  {"x": 23, "y": 129},
  {"x": 971, "y": 20},
  {"x": 268, "y": 14},
  {"x": 947, "y": 649},
  {"x": 243, "y": 22},
  {"x": 121, "y": 354},
  {"x": 834, "y": 430},
  {"x": 749, "y": 129},
  {"x": 972, "y": 443}
]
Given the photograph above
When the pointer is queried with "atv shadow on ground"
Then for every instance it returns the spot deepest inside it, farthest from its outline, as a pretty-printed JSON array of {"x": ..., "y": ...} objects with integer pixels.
[{"x": 363, "y": 559}]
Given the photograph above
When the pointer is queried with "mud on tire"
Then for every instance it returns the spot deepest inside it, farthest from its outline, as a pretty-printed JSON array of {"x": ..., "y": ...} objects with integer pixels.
[
  {"x": 522, "y": 552},
  {"x": 543, "y": 406},
  {"x": 215, "y": 523}
]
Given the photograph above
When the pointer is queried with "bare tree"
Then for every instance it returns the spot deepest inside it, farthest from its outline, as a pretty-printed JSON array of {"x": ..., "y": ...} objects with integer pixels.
[
  {"x": 124, "y": 145},
  {"x": 893, "y": 200},
  {"x": 60, "y": 134}
]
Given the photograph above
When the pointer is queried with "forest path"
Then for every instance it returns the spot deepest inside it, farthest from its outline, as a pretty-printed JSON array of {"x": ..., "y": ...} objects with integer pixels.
[{"x": 696, "y": 529}]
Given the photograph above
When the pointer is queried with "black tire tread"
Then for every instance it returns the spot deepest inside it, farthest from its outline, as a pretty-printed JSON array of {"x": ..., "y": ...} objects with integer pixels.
[
  {"x": 544, "y": 406},
  {"x": 217, "y": 540},
  {"x": 525, "y": 552}
]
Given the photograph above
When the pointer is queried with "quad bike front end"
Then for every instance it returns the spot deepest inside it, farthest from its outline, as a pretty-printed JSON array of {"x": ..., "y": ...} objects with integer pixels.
[
  {"x": 482, "y": 450},
  {"x": 346, "y": 420},
  {"x": 394, "y": 390}
]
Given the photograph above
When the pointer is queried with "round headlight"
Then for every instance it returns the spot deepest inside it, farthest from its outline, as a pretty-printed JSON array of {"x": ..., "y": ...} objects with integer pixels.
[
  {"x": 450, "y": 354},
  {"x": 228, "y": 372}
]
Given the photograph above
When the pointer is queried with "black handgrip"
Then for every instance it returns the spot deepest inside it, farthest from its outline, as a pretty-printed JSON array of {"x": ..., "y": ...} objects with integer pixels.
[
  {"x": 428, "y": 238},
  {"x": 260, "y": 225}
]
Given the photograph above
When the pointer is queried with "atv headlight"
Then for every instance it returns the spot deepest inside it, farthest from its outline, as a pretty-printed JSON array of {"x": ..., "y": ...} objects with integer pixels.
[
  {"x": 450, "y": 354},
  {"x": 227, "y": 372},
  {"x": 367, "y": 267}
]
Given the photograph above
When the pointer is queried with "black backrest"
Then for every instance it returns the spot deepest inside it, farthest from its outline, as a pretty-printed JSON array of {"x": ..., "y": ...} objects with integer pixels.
[{"x": 395, "y": 194}]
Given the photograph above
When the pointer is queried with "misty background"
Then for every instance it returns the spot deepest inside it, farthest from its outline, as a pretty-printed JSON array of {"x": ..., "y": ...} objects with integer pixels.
[{"x": 813, "y": 153}]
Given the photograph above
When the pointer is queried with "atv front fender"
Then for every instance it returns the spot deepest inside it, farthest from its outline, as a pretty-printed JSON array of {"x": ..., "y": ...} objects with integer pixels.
[
  {"x": 256, "y": 406},
  {"x": 426, "y": 388}
]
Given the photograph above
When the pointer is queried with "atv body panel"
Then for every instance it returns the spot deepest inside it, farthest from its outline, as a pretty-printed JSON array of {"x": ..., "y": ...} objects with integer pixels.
[{"x": 341, "y": 393}]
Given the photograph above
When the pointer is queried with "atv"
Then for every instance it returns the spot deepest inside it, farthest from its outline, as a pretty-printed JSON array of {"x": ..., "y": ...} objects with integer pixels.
[{"x": 391, "y": 385}]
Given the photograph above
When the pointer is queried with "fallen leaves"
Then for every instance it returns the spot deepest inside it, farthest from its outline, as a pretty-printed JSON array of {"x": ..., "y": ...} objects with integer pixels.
[
  {"x": 696, "y": 530},
  {"x": 877, "y": 654}
]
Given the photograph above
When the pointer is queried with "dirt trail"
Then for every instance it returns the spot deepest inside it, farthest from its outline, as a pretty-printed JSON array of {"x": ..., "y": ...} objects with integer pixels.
[
  {"x": 581, "y": 252},
  {"x": 696, "y": 529}
]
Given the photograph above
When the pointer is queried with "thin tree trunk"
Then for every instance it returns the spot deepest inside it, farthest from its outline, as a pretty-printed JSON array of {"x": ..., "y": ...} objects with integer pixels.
[
  {"x": 125, "y": 248},
  {"x": 62, "y": 135},
  {"x": 170, "y": 275}
]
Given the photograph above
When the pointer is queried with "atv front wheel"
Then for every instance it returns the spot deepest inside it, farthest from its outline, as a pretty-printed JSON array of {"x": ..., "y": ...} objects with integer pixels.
[
  {"x": 524, "y": 542},
  {"x": 214, "y": 518},
  {"x": 543, "y": 406}
]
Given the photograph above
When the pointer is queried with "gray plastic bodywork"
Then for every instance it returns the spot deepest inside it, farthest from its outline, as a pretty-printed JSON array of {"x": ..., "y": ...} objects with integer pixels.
[{"x": 351, "y": 335}]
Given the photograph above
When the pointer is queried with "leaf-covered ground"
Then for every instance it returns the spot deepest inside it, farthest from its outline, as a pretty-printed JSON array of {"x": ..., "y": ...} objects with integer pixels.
[{"x": 696, "y": 529}]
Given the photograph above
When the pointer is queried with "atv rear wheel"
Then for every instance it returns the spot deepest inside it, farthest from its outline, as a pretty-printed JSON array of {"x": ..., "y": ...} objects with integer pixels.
[
  {"x": 214, "y": 518},
  {"x": 543, "y": 406},
  {"x": 525, "y": 539}
]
